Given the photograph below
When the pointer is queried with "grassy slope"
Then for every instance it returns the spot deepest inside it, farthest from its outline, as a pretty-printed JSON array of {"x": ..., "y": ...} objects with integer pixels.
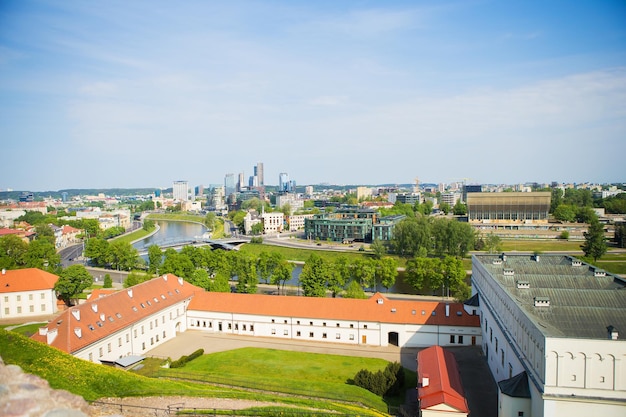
[{"x": 92, "y": 381}]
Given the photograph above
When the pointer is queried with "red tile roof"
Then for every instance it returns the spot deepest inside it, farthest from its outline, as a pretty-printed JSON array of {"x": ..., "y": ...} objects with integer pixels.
[
  {"x": 444, "y": 381},
  {"x": 377, "y": 308},
  {"x": 106, "y": 315},
  {"x": 29, "y": 279}
]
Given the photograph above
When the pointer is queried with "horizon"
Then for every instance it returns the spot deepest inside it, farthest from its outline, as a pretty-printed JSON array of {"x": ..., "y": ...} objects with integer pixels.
[{"x": 94, "y": 94}]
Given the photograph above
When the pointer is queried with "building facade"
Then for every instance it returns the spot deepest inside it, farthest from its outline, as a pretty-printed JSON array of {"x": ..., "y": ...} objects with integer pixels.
[
  {"x": 26, "y": 293},
  {"x": 510, "y": 208},
  {"x": 550, "y": 330},
  {"x": 180, "y": 191}
]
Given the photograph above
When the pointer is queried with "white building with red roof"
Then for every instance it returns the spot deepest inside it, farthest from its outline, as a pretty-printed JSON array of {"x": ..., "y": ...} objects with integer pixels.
[
  {"x": 27, "y": 292},
  {"x": 377, "y": 321},
  {"x": 440, "y": 391},
  {"x": 125, "y": 323}
]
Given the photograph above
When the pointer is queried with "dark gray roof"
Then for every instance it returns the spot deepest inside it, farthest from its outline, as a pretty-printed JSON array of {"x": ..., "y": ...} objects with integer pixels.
[
  {"x": 516, "y": 386},
  {"x": 581, "y": 304},
  {"x": 474, "y": 301}
]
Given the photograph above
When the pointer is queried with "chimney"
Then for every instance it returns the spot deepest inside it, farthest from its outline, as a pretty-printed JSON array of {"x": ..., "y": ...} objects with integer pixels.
[
  {"x": 425, "y": 381},
  {"x": 130, "y": 292},
  {"x": 612, "y": 333},
  {"x": 447, "y": 310},
  {"x": 4, "y": 271}
]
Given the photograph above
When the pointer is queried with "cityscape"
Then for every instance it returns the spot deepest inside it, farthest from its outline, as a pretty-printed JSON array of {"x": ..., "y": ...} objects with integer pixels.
[{"x": 306, "y": 209}]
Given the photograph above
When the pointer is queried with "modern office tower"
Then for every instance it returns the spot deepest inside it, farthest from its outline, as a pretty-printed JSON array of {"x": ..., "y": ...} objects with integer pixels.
[
  {"x": 283, "y": 182},
  {"x": 241, "y": 182},
  {"x": 308, "y": 190},
  {"x": 253, "y": 181},
  {"x": 199, "y": 190},
  {"x": 258, "y": 173},
  {"x": 181, "y": 190},
  {"x": 471, "y": 189},
  {"x": 229, "y": 185}
]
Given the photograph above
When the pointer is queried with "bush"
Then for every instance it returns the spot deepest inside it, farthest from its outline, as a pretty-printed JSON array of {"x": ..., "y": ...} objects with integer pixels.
[
  {"x": 108, "y": 282},
  {"x": 564, "y": 235},
  {"x": 184, "y": 359},
  {"x": 388, "y": 382}
]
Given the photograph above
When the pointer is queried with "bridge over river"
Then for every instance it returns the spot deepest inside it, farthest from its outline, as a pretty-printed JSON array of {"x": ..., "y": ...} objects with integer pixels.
[{"x": 225, "y": 243}]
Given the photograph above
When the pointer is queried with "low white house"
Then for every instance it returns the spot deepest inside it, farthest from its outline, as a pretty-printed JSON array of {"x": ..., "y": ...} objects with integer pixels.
[{"x": 27, "y": 292}]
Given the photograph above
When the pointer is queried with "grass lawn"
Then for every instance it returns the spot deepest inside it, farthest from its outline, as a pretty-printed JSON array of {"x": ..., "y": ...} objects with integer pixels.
[
  {"x": 177, "y": 217},
  {"x": 28, "y": 330},
  {"x": 92, "y": 381},
  {"x": 132, "y": 236},
  {"x": 298, "y": 373},
  {"x": 529, "y": 245}
]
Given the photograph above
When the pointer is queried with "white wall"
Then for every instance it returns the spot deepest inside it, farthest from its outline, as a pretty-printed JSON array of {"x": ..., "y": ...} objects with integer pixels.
[{"x": 28, "y": 303}]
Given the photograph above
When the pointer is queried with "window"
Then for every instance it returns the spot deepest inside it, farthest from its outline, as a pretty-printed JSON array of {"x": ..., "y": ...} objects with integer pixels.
[
  {"x": 365, "y": 326},
  {"x": 90, "y": 357},
  {"x": 43, "y": 307},
  {"x": 286, "y": 332},
  {"x": 230, "y": 326},
  {"x": 135, "y": 333},
  {"x": 323, "y": 335},
  {"x": 100, "y": 352},
  {"x": 19, "y": 310},
  {"x": 30, "y": 297},
  {"x": 298, "y": 333},
  {"x": 460, "y": 340},
  {"x": 298, "y": 322},
  {"x": 451, "y": 338},
  {"x": 19, "y": 298},
  {"x": 324, "y": 324},
  {"x": 351, "y": 337},
  {"x": 352, "y": 326},
  {"x": 285, "y": 321},
  {"x": 31, "y": 309},
  {"x": 496, "y": 345},
  {"x": 6, "y": 310},
  {"x": 119, "y": 341},
  {"x": 243, "y": 327},
  {"x": 273, "y": 321},
  {"x": 338, "y": 336},
  {"x": 310, "y": 323},
  {"x": 6, "y": 298},
  {"x": 141, "y": 329},
  {"x": 252, "y": 327},
  {"x": 143, "y": 345},
  {"x": 520, "y": 414},
  {"x": 109, "y": 347},
  {"x": 310, "y": 334},
  {"x": 127, "y": 337},
  {"x": 337, "y": 324},
  {"x": 490, "y": 335},
  {"x": 502, "y": 360},
  {"x": 273, "y": 331}
]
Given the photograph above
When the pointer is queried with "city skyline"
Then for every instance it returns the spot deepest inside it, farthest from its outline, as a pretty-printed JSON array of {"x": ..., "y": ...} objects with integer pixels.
[{"x": 117, "y": 95}]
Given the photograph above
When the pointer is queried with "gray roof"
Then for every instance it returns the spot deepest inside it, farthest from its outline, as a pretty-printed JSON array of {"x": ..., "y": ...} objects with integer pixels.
[{"x": 581, "y": 304}]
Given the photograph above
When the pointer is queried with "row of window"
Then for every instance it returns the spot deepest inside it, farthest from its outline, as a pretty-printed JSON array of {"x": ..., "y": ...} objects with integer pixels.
[
  {"x": 323, "y": 324},
  {"x": 31, "y": 309},
  {"x": 18, "y": 297},
  {"x": 153, "y": 340}
]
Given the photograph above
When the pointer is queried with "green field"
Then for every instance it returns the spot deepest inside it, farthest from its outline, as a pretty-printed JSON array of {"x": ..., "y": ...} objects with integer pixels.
[
  {"x": 281, "y": 371},
  {"x": 296, "y": 373}
]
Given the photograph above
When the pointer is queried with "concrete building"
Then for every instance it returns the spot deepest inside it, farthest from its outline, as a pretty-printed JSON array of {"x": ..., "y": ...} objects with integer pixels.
[
  {"x": 439, "y": 391},
  {"x": 296, "y": 221},
  {"x": 258, "y": 173},
  {"x": 293, "y": 200},
  {"x": 27, "y": 292},
  {"x": 229, "y": 185},
  {"x": 508, "y": 210},
  {"x": 550, "y": 330},
  {"x": 272, "y": 222},
  {"x": 180, "y": 191},
  {"x": 363, "y": 193},
  {"x": 450, "y": 198}
]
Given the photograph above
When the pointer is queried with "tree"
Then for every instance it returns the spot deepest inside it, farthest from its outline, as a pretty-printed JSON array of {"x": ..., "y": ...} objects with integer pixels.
[
  {"x": 220, "y": 283},
  {"x": 426, "y": 208},
  {"x": 135, "y": 278},
  {"x": 122, "y": 255},
  {"x": 451, "y": 237},
  {"x": 565, "y": 213},
  {"x": 493, "y": 243},
  {"x": 44, "y": 231},
  {"x": 256, "y": 229},
  {"x": 267, "y": 263},
  {"x": 209, "y": 220},
  {"x": 200, "y": 278},
  {"x": 378, "y": 248},
  {"x": 41, "y": 254},
  {"x": 354, "y": 290},
  {"x": 245, "y": 269},
  {"x": 459, "y": 209},
  {"x": 445, "y": 207},
  {"x": 12, "y": 251},
  {"x": 340, "y": 271},
  {"x": 108, "y": 282},
  {"x": 364, "y": 272},
  {"x": 595, "y": 242},
  {"x": 148, "y": 225},
  {"x": 454, "y": 277},
  {"x": 423, "y": 273},
  {"x": 386, "y": 272},
  {"x": 315, "y": 273},
  {"x": 72, "y": 281},
  {"x": 282, "y": 274},
  {"x": 620, "y": 235},
  {"x": 155, "y": 258},
  {"x": 411, "y": 234},
  {"x": 178, "y": 264},
  {"x": 556, "y": 199},
  {"x": 97, "y": 250}
]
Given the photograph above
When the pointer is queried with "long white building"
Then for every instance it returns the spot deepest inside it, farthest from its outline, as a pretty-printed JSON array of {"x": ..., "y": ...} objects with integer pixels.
[
  {"x": 550, "y": 332},
  {"x": 132, "y": 321},
  {"x": 27, "y": 292}
]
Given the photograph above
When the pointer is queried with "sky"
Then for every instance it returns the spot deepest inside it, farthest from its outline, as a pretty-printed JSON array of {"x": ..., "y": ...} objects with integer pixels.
[{"x": 127, "y": 94}]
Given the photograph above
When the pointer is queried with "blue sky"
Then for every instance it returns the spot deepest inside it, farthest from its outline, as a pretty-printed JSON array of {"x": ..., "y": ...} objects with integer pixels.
[{"x": 102, "y": 94}]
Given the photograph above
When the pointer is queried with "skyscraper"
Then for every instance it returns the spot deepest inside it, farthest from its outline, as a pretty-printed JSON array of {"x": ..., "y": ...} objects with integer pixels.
[
  {"x": 258, "y": 173},
  {"x": 283, "y": 182},
  {"x": 180, "y": 190},
  {"x": 229, "y": 184}
]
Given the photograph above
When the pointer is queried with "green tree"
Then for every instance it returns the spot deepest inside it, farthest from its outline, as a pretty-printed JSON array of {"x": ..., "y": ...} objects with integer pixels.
[
  {"x": 556, "y": 199},
  {"x": 44, "y": 231},
  {"x": 245, "y": 269},
  {"x": 454, "y": 277},
  {"x": 445, "y": 207},
  {"x": 256, "y": 229},
  {"x": 267, "y": 264},
  {"x": 585, "y": 215},
  {"x": 378, "y": 248},
  {"x": 459, "y": 209},
  {"x": 122, "y": 255},
  {"x": 42, "y": 254},
  {"x": 12, "y": 252},
  {"x": 354, "y": 290},
  {"x": 209, "y": 220},
  {"x": 72, "y": 281},
  {"x": 108, "y": 282},
  {"x": 220, "y": 283},
  {"x": 386, "y": 272},
  {"x": 315, "y": 273},
  {"x": 178, "y": 264},
  {"x": 339, "y": 272},
  {"x": 451, "y": 237},
  {"x": 97, "y": 250},
  {"x": 493, "y": 243},
  {"x": 134, "y": 278},
  {"x": 595, "y": 243},
  {"x": 200, "y": 278},
  {"x": 148, "y": 225},
  {"x": 426, "y": 208},
  {"x": 620, "y": 235},
  {"x": 155, "y": 258},
  {"x": 423, "y": 273},
  {"x": 411, "y": 234},
  {"x": 282, "y": 274},
  {"x": 364, "y": 272},
  {"x": 565, "y": 213}
]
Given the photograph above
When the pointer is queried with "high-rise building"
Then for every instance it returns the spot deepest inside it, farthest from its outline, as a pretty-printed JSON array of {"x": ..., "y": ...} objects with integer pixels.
[
  {"x": 283, "y": 182},
  {"x": 241, "y": 182},
  {"x": 258, "y": 173},
  {"x": 180, "y": 190},
  {"x": 229, "y": 185}
]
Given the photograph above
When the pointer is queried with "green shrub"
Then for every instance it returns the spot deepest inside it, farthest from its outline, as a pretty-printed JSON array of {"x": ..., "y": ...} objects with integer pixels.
[
  {"x": 389, "y": 382},
  {"x": 184, "y": 359}
]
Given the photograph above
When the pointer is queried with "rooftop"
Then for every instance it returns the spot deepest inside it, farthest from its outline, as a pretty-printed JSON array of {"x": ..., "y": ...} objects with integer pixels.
[{"x": 564, "y": 296}]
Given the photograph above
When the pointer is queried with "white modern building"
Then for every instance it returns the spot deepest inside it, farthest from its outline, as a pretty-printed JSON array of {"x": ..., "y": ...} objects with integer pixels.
[
  {"x": 180, "y": 191},
  {"x": 272, "y": 222},
  {"x": 27, "y": 293},
  {"x": 551, "y": 334}
]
